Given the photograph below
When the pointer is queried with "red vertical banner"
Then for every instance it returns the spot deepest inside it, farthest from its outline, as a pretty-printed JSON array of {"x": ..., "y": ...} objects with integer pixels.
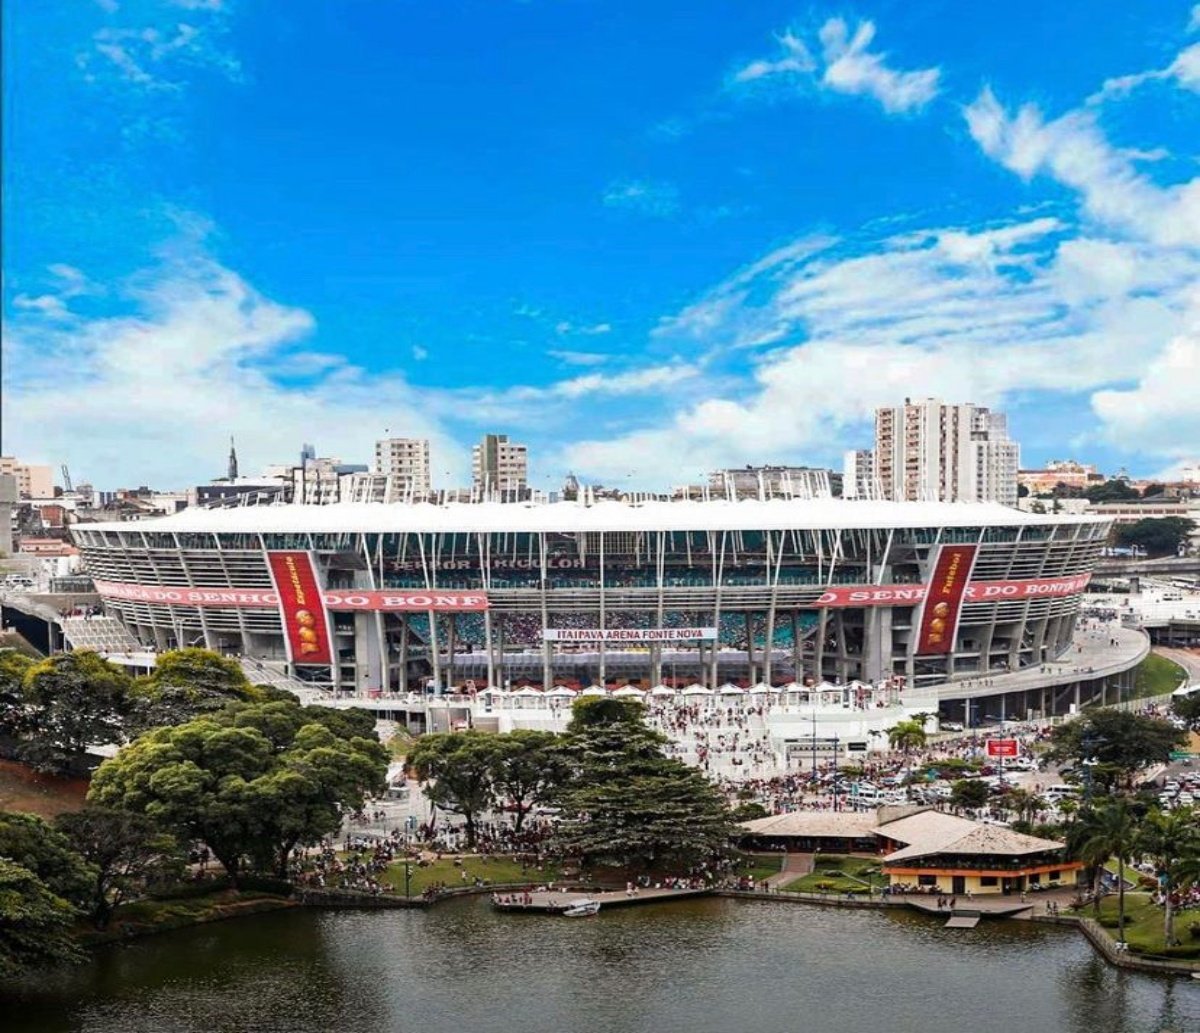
[
  {"x": 943, "y": 601},
  {"x": 301, "y": 608}
]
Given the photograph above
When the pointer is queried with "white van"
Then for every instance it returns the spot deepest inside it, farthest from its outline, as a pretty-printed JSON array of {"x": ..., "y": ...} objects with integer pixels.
[{"x": 1053, "y": 794}]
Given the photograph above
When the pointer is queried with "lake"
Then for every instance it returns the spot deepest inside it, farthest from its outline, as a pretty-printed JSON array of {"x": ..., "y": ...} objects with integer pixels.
[{"x": 699, "y": 966}]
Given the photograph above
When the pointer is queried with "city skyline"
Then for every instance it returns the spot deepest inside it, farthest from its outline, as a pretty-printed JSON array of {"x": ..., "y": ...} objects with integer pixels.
[{"x": 324, "y": 227}]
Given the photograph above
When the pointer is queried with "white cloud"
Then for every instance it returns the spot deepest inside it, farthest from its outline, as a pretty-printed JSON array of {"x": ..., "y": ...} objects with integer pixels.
[
  {"x": 1073, "y": 150},
  {"x": 419, "y": 353},
  {"x": 1194, "y": 21},
  {"x": 646, "y": 197},
  {"x": 1184, "y": 71},
  {"x": 847, "y": 66},
  {"x": 852, "y": 68},
  {"x": 1159, "y": 414},
  {"x": 151, "y": 395},
  {"x": 566, "y": 328},
  {"x": 979, "y": 314},
  {"x": 795, "y": 60},
  {"x": 578, "y": 358},
  {"x": 159, "y": 54}
]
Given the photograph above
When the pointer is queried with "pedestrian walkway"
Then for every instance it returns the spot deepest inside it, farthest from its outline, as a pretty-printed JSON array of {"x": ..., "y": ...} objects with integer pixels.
[
  {"x": 795, "y": 866},
  {"x": 552, "y": 901}
]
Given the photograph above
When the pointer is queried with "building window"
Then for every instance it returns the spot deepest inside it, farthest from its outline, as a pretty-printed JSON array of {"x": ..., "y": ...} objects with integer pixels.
[
  {"x": 926, "y": 880},
  {"x": 988, "y": 880},
  {"x": 1035, "y": 878}
]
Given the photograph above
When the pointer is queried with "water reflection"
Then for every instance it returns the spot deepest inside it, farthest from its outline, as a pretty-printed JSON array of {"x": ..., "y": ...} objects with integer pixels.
[{"x": 707, "y": 966}]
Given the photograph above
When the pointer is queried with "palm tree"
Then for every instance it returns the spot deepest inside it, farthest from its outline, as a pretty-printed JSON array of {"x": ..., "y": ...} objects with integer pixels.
[
  {"x": 1172, "y": 840},
  {"x": 1103, "y": 832},
  {"x": 907, "y": 736}
]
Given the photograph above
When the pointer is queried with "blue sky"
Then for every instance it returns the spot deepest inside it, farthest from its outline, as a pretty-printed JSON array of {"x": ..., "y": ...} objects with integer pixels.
[{"x": 646, "y": 239}]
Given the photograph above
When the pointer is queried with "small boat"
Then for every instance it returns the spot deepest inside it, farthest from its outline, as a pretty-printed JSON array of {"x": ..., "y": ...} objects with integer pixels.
[{"x": 581, "y": 909}]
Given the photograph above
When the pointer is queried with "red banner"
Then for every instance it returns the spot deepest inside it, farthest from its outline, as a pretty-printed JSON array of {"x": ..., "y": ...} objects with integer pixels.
[
  {"x": 352, "y": 599},
  {"x": 1003, "y": 748},
  {"x": 939, "y": 613},
  {"x": 301, "y": 608},
  {"x": 975, "y": 592}
]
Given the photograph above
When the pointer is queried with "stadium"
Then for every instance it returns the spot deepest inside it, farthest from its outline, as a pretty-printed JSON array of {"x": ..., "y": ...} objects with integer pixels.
[{"x": 376, "y": 598}]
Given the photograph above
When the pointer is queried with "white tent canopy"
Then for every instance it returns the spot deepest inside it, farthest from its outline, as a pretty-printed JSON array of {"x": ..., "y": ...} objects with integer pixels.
[
  {"x": 729, "y": 689},
  {"x": 761, "y": 689},
  {"x": 629, "y": 692},
  {"x": 527, "y": 692},
  {"x": 662, "y": 690},
  {"x": 594, "y": 690},
  {"x": 561, "y": 692},
  {"x": 697, "y": 690},
  {"x": 493, "y": 691}
]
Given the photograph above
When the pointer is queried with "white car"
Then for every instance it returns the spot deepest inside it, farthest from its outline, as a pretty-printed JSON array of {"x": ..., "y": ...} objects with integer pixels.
[{"x": 1185, "y": 799}]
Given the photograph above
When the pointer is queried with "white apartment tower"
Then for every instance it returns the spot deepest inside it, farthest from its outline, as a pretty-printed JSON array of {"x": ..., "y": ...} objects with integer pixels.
[
  {"x": 405, "y": 461},
  {"x": 927, "y": 450},
  {"x": 858, "y": 474},
  {"x": 498, "y": 464}
]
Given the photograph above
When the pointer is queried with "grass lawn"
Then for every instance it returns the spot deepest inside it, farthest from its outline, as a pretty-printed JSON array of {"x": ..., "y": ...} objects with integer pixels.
[
  {"x": 493, "y": 871},
  {"x": 23, "y": 789},
  {"x": 761, "y": 866},
  {"x": 833, "y": 873},
  {"x": 1144, "y": 925},
  {"x": 1156, "y": 676}
]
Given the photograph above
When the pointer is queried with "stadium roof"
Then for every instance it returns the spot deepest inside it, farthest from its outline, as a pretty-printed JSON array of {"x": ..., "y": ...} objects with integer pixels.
[{"x": 571, "y": 517}]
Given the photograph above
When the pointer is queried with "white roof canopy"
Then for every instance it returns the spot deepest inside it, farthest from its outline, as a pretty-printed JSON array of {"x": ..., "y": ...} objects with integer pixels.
[{"x": 567, "y": 517}]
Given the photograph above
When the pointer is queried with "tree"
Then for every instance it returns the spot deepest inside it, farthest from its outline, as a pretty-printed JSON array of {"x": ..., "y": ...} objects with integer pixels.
[
  {"x": 1172, "y": 840},
  {"x": 126, "y": 850},
  {"x": 907, "y": 736},
  {"x": 251, "y": 781},
  {"x": 72, "y": 701},
  {"x": 969, "y": 792},
  {"x": 1158, "y": 536},
  {"x": 1110, "y": 491},
  {"x": 13, "y": 668},
  {"x": 458, "y": 773},
  {"x": 529, "y": 769},
  {"x": 35, "y": 923},
  {"x": 1123, "y": 741},
  {"x": 1187, "y": 708},
  {"x": 1153, "y": 490},
  {"x": 626, "y": 801},
  {"x": 27, "y": 840},
  {"x": 187, "y": 683},
  {"x": 1108, "y": 831}
]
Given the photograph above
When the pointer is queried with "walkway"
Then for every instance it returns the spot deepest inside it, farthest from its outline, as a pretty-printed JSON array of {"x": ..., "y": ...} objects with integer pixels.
[
  {"x": 550, "y": 902},
  {"x": 795, "y": 866}
]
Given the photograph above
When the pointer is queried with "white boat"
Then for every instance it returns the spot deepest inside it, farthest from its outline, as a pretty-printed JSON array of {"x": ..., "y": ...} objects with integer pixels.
[{"x": 582, "y": 909}]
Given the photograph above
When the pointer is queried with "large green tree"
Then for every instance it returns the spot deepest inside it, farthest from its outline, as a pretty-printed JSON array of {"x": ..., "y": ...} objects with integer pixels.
[
  {"x": 629, "y": 803},
  {"x": 186, "y": 683},
  {"x": 1172, "y": 840},
  {"x": 1187, "y": 708},
  {"x": 127, "y": 852},
  {"x": 35, "y": 923},
  {"x": 1117, "y": 740},
  {"x": 1114, "y": 490},
  {"x": 1159, "y": 536},
  {"x": 13, "y": 668},
  {"x": 27, "y": 840},
  {"x": 251, "y": 782},
  {"x": 529, "y": 769},
  {"x": 458, "y": 773},
  {"x": 72, "y": 701}
]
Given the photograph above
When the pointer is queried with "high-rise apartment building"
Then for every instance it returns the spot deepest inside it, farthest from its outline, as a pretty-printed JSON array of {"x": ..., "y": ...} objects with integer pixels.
[
  {"x": 405, "y": 462},
  {"x": 33, "y": 482},
  {"x": 927, "y": 450},
  {"x": 499, "y": 465},
  {"x": 858, "y": 474}
]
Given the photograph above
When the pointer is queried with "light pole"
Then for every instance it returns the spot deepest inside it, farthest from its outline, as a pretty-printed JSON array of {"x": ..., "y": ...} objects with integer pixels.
[{"x": 407, "y": 878}]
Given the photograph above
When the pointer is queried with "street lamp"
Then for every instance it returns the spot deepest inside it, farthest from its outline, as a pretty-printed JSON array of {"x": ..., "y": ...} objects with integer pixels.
[{"x": 407, "y": 878}]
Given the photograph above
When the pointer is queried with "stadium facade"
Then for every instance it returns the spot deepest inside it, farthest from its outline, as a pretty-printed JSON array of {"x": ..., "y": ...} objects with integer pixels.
[{"x": 382, "y": 597}]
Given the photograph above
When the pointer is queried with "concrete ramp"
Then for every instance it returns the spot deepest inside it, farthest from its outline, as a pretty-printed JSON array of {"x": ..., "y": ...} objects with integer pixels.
[{"x": 962, "y": 920}]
